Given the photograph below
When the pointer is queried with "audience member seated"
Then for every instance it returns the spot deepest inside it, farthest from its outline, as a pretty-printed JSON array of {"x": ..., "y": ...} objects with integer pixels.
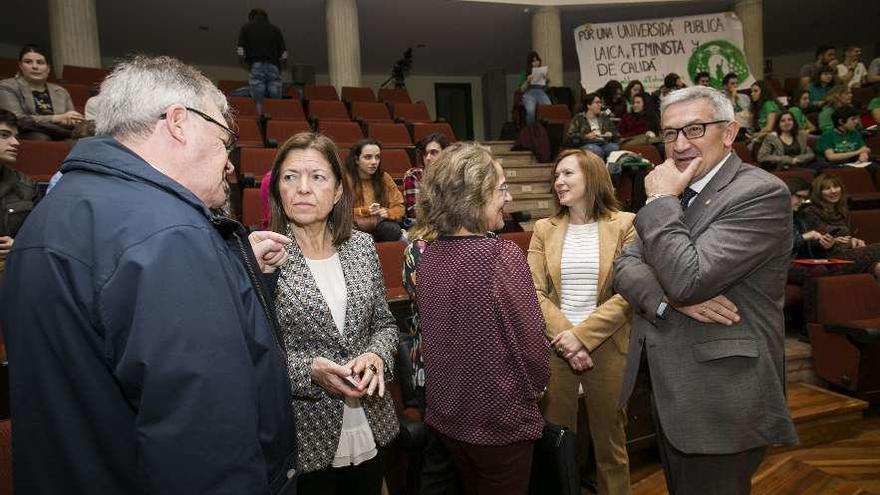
[
  {"x": 534, "y": 86},
  {"x": 427, "y": 149},
  {"x": 486, "y": 356},
  {"x": 702, "y": 78},
  {"x": 821, "y": 85},
  {"x": 740, "y": 102},
  {"x": 851, "y": 71},
  {"x": 827, "y": 214},
  {"x": 45, "y": 111},
  {"x": 17, "y": 193},
  {"x": 638, "y": 126},
  {"x": 844, "y": 144},
  {"x": 588, "y": 324},
  {"x": 838, "y": 97},
  {"x": 873, "y": 76},
  {"x": 334, "y": 323},
  {"x": 592, "y": 130},
  {"x": 635, "y": 87},
  {"x": 825, "y": 56},
  {"x": 612, "y": 98},
  {"x": 786, "y": 147},
  {"x": 378, "y": 203},
  {"x": 799, "y": 106},
  {"x": 764, "y": 110},
  {"x": 808, "y": 243},
  {"x": 874, "y": 108},
  {"x": 671, "y": 82}
]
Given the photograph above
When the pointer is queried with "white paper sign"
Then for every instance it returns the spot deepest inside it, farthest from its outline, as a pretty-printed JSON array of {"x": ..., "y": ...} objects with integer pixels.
[{"x": 649, "y": 49}]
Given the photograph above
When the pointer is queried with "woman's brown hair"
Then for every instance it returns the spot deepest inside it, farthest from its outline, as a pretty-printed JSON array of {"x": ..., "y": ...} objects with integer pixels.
[
  {"x": 351, "y": 167},
  {"x": 824, "y": 181},
  {"x": 599, "y": 191},
  {"x": 341, "y": 215}
]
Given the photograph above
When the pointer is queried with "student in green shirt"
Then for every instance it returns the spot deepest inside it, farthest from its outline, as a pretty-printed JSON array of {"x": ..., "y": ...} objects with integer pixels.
[
  {"x": 800, "y": 106},
  {"x": 838, "y": 97},
  {"x": 874, "y": 108},
  {"x": 844, "y": 144},
  {"x": 764, "y": 109}
]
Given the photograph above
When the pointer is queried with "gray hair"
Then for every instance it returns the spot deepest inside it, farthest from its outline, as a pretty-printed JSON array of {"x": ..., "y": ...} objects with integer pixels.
[
  {"x": 722, "y": 107},
  {"x": 139, "y": 90}
]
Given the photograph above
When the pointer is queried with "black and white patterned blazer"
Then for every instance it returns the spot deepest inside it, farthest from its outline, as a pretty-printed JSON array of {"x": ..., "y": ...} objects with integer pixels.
[{"x": 308, "y": 331}]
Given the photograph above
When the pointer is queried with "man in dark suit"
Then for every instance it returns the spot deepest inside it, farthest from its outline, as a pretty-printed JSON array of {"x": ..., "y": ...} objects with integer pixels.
[{"x": 707, "y": 279}]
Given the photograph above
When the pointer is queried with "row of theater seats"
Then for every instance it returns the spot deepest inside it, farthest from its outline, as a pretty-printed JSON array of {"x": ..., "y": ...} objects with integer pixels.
[{"x": 328, "y": 93}]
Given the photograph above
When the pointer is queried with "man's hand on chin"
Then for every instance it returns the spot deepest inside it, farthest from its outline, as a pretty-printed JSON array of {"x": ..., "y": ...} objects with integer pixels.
[{"x": 667, "y": 180}]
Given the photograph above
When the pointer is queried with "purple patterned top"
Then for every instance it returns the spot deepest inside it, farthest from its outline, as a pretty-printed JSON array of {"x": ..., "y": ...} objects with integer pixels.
[{"x": 484, "y": 345}]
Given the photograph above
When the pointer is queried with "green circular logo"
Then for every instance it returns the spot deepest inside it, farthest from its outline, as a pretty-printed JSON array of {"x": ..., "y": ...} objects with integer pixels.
[{"x": 718, "y": 58}]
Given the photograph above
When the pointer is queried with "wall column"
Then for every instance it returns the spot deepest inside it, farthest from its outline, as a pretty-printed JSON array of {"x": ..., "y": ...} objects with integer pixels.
[
  {"x": 343, "y": 43},
  {"x": 547, "y": 41},
  {"x": 73, "y": 26},
  {"x": 751, "y": 14}
]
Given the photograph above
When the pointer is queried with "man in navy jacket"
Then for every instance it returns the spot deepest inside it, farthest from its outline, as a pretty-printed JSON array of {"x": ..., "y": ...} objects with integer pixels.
[{"x": 141, "y": 339}]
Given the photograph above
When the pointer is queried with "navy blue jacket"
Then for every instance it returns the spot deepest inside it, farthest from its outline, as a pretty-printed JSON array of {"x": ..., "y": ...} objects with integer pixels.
[{"x": 141, "y": 358}]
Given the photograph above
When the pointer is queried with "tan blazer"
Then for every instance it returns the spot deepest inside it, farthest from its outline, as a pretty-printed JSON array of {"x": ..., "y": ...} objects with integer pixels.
[
  {"x": 16, "y": 96},
  {"x": 613, "y": 316}
]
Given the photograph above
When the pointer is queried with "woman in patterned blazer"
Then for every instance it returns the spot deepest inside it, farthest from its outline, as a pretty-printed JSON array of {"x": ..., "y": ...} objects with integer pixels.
[{"x": 334, "y": 323}]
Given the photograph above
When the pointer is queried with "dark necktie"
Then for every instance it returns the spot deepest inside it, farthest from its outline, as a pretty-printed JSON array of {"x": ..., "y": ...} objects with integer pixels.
[{"x": 686, "y": 198}]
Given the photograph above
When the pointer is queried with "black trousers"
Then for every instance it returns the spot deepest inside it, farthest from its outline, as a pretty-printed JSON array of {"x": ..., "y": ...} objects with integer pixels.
[
  {"x": 438, "y": 475},
  {"x": 703, "y": 474},
  {"x": 363, "y": 479}
]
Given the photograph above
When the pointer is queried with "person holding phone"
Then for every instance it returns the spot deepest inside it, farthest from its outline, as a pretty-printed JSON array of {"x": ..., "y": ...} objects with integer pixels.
[
  {"x": 334, "y": 323},
  {"x": 378, "y": 203}
]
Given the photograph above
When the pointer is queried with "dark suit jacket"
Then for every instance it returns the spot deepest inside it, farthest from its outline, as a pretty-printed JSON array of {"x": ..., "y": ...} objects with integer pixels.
[
  {"x": 717, "y": 389},
  {"x": 308, "y": 331}
]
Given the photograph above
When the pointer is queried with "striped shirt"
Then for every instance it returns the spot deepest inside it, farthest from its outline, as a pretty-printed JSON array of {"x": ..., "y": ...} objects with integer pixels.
[{"x": 580, "y": 272}]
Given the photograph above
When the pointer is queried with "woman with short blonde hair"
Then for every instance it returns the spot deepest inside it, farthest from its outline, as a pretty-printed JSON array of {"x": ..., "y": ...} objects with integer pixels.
[
  {"x": 570, "y": 257},
  {"x": 484, "y": 350}
]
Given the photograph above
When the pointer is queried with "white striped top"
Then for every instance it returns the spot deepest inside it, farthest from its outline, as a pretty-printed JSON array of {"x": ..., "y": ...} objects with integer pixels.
[{"x": 580, "y": 272}]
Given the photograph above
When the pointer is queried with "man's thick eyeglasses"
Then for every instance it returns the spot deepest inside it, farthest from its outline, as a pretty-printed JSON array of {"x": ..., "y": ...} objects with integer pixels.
[
  {"x": 691, "y": 131},
  {"x": 233, "y": 136}
]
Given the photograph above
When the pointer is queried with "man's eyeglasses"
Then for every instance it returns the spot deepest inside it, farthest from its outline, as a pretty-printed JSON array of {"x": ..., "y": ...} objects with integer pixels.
[
  {"x": 691, "y": 131},
  {"x": 233, "y": 136}
]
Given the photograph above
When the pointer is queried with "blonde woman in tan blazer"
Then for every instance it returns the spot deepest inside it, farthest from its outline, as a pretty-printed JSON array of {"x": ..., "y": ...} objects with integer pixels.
[{"x": 571, "y": 257}]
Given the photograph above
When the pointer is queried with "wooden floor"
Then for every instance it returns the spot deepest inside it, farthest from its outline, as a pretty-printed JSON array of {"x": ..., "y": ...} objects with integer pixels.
[{"x": 846, "y": 466}]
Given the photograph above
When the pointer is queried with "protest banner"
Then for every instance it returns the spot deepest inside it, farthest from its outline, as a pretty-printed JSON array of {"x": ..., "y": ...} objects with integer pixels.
[{"x": 649, "y": 49}]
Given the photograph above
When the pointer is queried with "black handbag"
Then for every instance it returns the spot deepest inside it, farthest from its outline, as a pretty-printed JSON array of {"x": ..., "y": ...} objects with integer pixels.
[{"x": 554, "y": 465}]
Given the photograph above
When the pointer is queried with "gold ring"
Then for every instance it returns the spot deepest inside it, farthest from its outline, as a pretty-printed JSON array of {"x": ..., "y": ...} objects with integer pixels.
[{"x": 372, "y": 367}]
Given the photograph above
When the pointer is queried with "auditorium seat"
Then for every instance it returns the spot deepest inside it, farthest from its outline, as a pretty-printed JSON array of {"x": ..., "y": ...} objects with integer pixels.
[
  {"x": 411, "y": 113},
  {"x": 39, "y": 160},
  {"x": 80, "y": 94},
  {"x": 281, "y": 130},
  {"x": 390, "y": 135},
  {"x": 421, "y": 130},
  {"x": 249, "y": 134},
  {"x": 845, "y": 351},
  {"x": 325, "y": 111},
  {"x": 807, "y": 175},
  {"x": 323, "y": 93},
  {"x": 370, "y": 111},
  {"x": 394, "y": 95},
  {"x": 791, "y": 84},
  {"x": 254, "y": 163},
  {"x": 873, "y": 142},
  {"x": 522, "y": 239},
  {"x": 8, "y": 67},
  {"x": 83, "y": 75},
  {"x": 352, "y": 94},
  {"x": 866, "y": 225},
  {"x": 284, "y": 109},
  {"x": 743, "y": 152},
  {"x": 344, "y": 134},
  {"x": 395, "y": 162},
  {"x": 861, "y": 96},
  {"x": 5, "y": 457},
  {"x": 391, "y": 260},
  {"x": 228, "y": 86},
  {"x": 554, "y": 114},
  {"x": 244, "y": 106},
  {"x": 647, "y": 151},
  {"x": 251, "y": 207}
]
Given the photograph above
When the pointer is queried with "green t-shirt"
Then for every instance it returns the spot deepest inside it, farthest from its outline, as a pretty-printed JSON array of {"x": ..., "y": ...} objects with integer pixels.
[
  {"x": 874, "y": 104},
  {"x": 767, "y": 108},
  {"x": 838, "y": 142},
  {"x": 799, "y": 116},
  {"x": 825, "y": 122}
]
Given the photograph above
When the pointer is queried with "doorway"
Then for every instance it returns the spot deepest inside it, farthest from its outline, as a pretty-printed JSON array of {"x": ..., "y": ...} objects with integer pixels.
[{"x": 453, "y": 104}]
